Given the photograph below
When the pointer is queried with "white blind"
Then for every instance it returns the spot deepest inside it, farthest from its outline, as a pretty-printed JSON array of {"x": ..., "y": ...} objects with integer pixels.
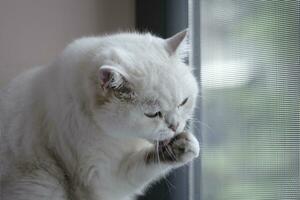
[{"x": 250, "y": 72}]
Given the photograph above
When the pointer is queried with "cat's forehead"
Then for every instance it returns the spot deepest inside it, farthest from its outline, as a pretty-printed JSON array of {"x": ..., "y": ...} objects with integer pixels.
[
  {"x": 134, "y": 50},
  {"x": 151, "y": 104},
  {"x": 166, "y": 91}
]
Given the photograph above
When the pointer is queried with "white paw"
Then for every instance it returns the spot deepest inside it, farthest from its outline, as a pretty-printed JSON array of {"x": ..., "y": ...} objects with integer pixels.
[{"x": 185, "y": 147}]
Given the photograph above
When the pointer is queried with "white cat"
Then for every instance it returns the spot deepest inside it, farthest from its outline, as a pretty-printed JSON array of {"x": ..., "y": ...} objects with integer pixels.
[{"x": 101, "y": 122}]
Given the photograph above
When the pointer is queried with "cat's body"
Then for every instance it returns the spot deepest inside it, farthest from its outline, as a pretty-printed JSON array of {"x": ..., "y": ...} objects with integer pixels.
[{"x": 81, "y": 128}]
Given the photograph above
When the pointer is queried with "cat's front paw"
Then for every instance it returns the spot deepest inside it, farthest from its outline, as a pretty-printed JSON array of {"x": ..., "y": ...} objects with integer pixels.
[
  {"x": 181, "y": 149},
  {"x": 185, "y": 147}
]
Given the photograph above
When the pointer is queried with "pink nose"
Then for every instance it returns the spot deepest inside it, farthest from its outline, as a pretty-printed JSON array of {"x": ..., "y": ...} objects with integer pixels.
[{"x": 173, "y": 127}]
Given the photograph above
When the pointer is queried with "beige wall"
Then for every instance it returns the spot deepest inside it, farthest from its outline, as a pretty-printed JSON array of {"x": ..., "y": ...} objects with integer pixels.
[{"x": 33, "y": 32}]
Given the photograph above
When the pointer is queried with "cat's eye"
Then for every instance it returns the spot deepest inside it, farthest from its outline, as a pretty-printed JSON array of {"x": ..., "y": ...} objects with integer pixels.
[
  {"x": 153, "y": 115},
  {"x": 183, "y": 102}
]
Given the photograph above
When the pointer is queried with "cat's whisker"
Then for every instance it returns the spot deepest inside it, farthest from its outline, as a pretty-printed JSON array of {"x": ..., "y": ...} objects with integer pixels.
[
  {"x": 157, "y": 152},
  {"x": 163, "y": 156},
  {"x": 171, "y": 153},
  {"x": 194, "y": 120},
  {"x": 168, "y": 183}
]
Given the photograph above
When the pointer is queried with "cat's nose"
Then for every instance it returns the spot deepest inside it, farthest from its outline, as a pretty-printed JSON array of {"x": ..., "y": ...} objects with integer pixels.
[{"x": 174, "y": 127}]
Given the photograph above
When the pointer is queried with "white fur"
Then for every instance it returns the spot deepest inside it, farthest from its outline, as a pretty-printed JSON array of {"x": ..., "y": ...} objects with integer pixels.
[{"x": 101, "y": 148}]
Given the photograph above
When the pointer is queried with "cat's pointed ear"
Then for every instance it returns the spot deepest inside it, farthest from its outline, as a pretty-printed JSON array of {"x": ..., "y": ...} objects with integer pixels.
[
  {"x": 111, "y": 77},
  {"x": 178, "y": 44}
]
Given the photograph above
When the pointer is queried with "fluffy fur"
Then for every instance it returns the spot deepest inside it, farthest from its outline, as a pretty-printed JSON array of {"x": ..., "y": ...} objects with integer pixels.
[{"x": 78, "y": 128}]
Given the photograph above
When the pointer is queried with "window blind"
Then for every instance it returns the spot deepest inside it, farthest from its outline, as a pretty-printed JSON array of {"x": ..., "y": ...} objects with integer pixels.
[{"x": 250, "y": 77}]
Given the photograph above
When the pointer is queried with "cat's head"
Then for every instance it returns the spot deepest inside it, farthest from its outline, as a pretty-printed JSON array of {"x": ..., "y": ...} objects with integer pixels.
[{"x": 144, "y": 88}]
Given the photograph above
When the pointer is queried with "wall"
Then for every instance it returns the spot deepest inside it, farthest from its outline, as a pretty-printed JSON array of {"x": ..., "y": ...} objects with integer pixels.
[{"x": 33, "y": 32}]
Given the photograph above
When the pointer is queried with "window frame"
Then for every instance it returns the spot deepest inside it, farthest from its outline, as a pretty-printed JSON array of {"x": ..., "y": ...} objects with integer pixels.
[
  {"x": 165, "y": 18},
  {"x": 195, "y": 61}
]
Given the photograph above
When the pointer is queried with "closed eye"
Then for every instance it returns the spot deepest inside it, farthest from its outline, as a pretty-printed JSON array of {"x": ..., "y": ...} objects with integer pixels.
[
  {"x": 183, "y": 102},
  {"x": 153, "y": 115}
]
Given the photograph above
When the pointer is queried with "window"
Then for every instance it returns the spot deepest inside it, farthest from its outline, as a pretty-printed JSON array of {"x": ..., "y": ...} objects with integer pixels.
[
  {"x": 250, "y": 99},
  {"x": 246, "y": 55}
]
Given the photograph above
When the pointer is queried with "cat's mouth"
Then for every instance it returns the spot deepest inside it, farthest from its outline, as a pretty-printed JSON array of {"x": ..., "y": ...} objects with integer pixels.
[{"x": 162, "y": 143}]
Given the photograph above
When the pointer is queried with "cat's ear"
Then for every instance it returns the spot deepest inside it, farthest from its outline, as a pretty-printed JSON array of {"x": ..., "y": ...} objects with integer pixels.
[
  {"x": 115, "y": 79},
  {"x": 178, "y": 44},
  {"x": 111, "y": 77}
]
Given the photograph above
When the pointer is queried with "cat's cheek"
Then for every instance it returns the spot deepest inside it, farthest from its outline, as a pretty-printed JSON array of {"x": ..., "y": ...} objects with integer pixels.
[
  {"x": 165, "y": 135},
  {"x": 140, "y": 126}
]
